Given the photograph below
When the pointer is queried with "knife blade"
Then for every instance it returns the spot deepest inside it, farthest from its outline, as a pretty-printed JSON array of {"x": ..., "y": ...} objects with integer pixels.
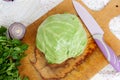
[{"x": 97, "y": 34}]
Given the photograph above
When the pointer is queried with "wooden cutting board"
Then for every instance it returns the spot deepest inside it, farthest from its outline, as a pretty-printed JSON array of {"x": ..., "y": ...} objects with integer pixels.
[{"x": 96, "y": 61}]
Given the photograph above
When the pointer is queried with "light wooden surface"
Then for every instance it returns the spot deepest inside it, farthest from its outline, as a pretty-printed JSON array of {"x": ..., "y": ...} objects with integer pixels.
[{"x": 96, "y": 61}]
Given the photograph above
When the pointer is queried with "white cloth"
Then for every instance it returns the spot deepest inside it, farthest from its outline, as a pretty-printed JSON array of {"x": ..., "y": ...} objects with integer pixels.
[
  {"x": 107, "y": 73},
  {"x": 96, "y": 5},
  {"x": 24, "y": 11},
  {"x": 114, "y": 26}
]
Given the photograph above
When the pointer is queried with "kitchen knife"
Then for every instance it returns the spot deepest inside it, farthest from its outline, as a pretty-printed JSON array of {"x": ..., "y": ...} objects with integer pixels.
[{"x": 97, "y": 34}]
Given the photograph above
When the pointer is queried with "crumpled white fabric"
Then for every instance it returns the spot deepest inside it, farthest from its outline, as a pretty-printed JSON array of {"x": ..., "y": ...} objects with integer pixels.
[
  {"x": 96, "y": 5},
  {"x": 24, "y": 11},
  {"x": 114, "y": 26},
  {"x": 107, "y": 73}
]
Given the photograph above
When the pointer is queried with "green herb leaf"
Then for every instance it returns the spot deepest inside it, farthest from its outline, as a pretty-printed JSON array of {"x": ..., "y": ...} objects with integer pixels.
[
  {"x": 11, "y": 52},
  {"x": 2, "y": 30}
]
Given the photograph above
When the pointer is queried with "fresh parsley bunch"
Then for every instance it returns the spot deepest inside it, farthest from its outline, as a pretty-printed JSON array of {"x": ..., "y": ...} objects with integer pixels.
[{"x": 11, "y": 52}]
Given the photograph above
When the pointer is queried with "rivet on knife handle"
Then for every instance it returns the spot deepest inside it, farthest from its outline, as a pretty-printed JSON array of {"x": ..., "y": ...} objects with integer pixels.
[{"x": 107, "y": 51}]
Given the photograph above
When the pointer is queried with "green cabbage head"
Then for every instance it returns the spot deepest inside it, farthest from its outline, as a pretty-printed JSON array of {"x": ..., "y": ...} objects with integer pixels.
[{"x": 61, "y": 36}]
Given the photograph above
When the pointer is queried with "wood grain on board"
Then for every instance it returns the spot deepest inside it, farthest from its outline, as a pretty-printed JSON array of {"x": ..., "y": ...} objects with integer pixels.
[{"x": 92, "y": 64}]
